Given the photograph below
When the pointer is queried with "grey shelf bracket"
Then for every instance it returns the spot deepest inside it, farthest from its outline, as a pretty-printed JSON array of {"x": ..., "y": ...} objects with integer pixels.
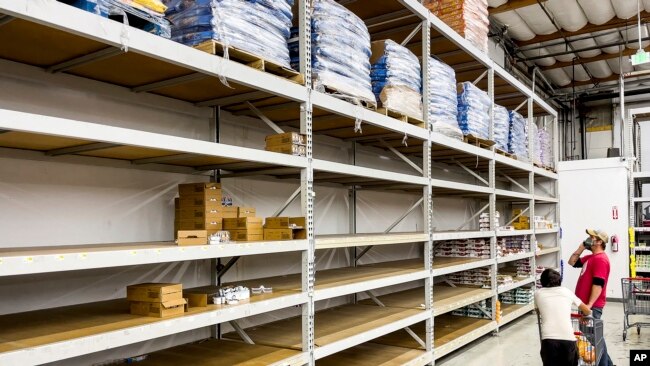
[
  {"x": 523, "y": 188},
  {"x": 80, "y": 149},
  {"x": 521, "y": 105},
  {"x": 483, "y": 310},
  {"x": 234, "y": 99},
  {"x": 407, "y": 329},
  {"x": 480, "y": 77},
  {"x": 411, "y": 35},
  {"x": 264, "y": 118},
  {"x": 169, "y": 82},
  {"x": 286, "y": 204},
  {"x": 6, "y": 19},
  {"x": 84, "y": 60},
  {"x": 473, "y": 217},
  {"x": 241, "y": 332},
  {"x": 402, "y": 156},
  {"x": 517, "y": 216},
  {"x": 471, "y": 172}
]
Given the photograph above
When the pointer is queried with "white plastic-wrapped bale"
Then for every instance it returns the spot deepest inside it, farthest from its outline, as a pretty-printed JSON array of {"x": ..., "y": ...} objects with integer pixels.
[
  {"x": 501, "y": 127},
  {"x": 396, "y": 78},
  {"x": 474, "y": 111},
  {"x": 443, "y": 100},
  {"x": 260, "y": 27},
  {"x": 517, "y": 141},
  {"x": 340, "y": 51},
  {"x": 534, "y": 132},
  {"x": 545, "y": 147}
]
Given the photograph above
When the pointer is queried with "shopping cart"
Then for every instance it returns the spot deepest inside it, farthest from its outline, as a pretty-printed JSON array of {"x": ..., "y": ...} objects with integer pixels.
[
  {"x": 636, "y": 301},
  {"x": 589, "y": 338}
]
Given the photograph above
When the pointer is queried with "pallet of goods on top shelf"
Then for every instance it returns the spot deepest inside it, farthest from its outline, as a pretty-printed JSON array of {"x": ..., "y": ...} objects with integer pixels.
[
  {"x": 443, "y": 99},
  {"x": 254, "y": 33},
  {"x": 469, "y": 18},
  {"x": 396, "y": 77},
  {"x": 474, "y": 114},
  {"x": 340, "y": 50},
  {"x": 147, "y": 15}
]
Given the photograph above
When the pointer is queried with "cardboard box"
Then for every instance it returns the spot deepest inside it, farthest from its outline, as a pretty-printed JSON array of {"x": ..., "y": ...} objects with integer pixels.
[
  {"x": 284, "y": 234},
  {"x": 196, "y": 213},
  {"x": 201, "y": 224},
  {"x": 159, "y": 309},
  {"x": 286, "y": 138},
  {"x": 246, "y": 235},
  {"x": 245, "y": 211},
  {"x": 197, "y": 188},
  {"x": 284, "y": 222},
  {"x": 243, "y": 223},
  {"x": 192, "y": 237},
  {"x": 229, "y": 212},
  {"x": 201, "y": 201},
  {"x": 291, "y": 149},
  {"x": 200, "y": 296},
  {"x": 154, "y": 292}
]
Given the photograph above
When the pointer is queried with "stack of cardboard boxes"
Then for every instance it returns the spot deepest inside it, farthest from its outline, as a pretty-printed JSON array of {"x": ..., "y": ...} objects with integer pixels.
[
  {"x": 244, "y": 228},
  {"x": 291, "y": 143},
  {"x": 522, "y": 222},
  {"x": 284, "y": 228},
  {"x": 158, "y": 300}
]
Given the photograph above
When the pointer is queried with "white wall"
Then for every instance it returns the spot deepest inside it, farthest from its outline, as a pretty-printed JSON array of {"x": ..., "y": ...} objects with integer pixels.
[{"x": 588, "y": 190}]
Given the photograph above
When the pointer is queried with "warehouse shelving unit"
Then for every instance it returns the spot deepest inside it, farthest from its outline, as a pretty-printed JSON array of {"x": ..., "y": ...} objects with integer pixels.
[
  {"x": 44, "y": 37},
  {"x": 642, "y": 234}
]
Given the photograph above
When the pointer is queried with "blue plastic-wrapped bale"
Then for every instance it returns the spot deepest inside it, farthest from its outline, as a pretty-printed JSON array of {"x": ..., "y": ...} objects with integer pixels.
[
  {"x": 517, "y": 141},
  {"x": 145, "y": 15},
  {"x": 260, "y": 27},
  {"x": 443, "y": 100},
  {"x": 340, "y": 52},
  {"x": 396, "y": 78},
  {"x": 294, "y": 48},
  {"x": 474, "y": 111},
  {"x": 501, "y": 127}
]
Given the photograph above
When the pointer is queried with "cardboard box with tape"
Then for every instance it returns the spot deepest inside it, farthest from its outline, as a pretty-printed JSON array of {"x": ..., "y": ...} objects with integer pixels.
[
  {"x": 243, "y": 223},
  {"x": 193, "y": 237},
  {"x": 247, "y": 235},
  {"x": 156, "y": 299},
  {"x": 286, "y": 138},
  {"x": 284, "y": 228},
  {"x": 246, "y": 211}
]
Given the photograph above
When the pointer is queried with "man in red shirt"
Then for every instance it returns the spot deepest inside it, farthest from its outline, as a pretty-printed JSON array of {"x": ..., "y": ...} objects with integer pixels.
[{"x": 592, "y": 283}]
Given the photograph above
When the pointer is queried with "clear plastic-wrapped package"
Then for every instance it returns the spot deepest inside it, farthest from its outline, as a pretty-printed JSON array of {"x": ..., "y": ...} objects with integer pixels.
[
  {"x": 501, "y": 127},
  {"x": 474, "y": 111},
  {"x": 469, "y": 18},
  {"x": 340, "y": 51},
  {"x": 534, "y": 132},
  {"x": 518, "y": 140},
  {"x": 545, "y": 147},
  {"x": 443, "y": 100},
  {"x": 151, "y": 11},
  {"x": 396, "y": 78},
  {"x": 261, "y": 27}
]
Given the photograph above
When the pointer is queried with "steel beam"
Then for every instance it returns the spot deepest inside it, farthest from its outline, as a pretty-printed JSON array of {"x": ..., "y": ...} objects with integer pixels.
[
  {"x": 515, "y": 183},
  {"x": 407, "y": 329},
  {"x": 6, "y": 19},
  {"x": 169, "y": 82},
  {"x": 473, "y": 217},
  {"x": 478, "y": 79},
  {"x": 401, "y": 156},
  {"x": 161, "y": 159},
  {"x": 471, "y": 172},
  {"x": 517, "y": 216},
  {"x": 286, "y": 204},
  {"x": 84, "y": 60},
  {"x": 411, "y": 35},
  {"x": 241, "y": 332},
  {"x": 233, "y": 99},
  {"x": 80, "y": 149}
]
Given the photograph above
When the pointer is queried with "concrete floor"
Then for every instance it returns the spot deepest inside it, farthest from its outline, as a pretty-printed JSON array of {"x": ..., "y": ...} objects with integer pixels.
[{"x": 517, "y": 344}]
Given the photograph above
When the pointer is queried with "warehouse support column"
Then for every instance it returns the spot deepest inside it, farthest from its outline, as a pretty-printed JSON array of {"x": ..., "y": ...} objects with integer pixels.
[
  {"x": 427, "y": 192},
  {"x": 531, "y": 182},
  {"x": 492, "y": 197},
  {"x": 215, "y": 264},
  {"x": 307, "y": 183}
]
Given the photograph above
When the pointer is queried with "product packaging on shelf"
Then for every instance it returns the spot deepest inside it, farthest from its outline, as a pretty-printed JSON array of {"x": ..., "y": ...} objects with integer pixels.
[
  {"x": 518, "y": 139},
  {"x": 474, "y": 111},
  {"x": 443, "y": 99}
]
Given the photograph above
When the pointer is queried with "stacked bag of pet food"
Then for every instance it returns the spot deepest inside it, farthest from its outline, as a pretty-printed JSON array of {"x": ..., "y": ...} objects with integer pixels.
[
  {"x": 545, "y": 147},
  {"x": 534, "y": 132},
  {"x": 518, "y": 140},
  {"x": 340, "y": 51},
  {"x": 469, "y": 18},
  {"x": 260, "y": 27},
  {"x": 148, "y": 15},
  {"x": 396, "y": 78},
  {"x": 443, "y": 100},
  {"x": 501, "y": 127},
  {"x": 474, "y": 111}
]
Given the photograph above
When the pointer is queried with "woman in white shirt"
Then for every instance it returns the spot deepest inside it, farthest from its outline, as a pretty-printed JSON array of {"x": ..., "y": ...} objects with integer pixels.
[{"x": 553, "y": 303}]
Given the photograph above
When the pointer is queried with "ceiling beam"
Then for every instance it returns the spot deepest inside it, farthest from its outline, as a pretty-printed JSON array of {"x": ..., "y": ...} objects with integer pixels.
[
  {"x": 586, "y": 60},
  {"x": 589, "y": 28},
  {"x": 512, "y": 5},
  {"x": 592, "y": 81}
]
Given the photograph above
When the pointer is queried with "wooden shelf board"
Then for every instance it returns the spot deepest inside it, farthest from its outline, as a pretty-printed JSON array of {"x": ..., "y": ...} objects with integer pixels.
[
  {"x": 224, "y": 352},
  {"x": 372, "y": 354},
  {"x": 41, "y": 327},
  {"x": 331, "y": 325}
]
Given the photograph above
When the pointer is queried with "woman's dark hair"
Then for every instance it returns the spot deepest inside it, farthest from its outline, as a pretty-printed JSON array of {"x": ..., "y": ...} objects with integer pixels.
[{"x": 550, "y": 278}]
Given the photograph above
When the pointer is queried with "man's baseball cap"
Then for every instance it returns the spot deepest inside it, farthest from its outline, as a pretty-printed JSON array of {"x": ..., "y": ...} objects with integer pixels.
[{"x": 599, "y": 234}]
